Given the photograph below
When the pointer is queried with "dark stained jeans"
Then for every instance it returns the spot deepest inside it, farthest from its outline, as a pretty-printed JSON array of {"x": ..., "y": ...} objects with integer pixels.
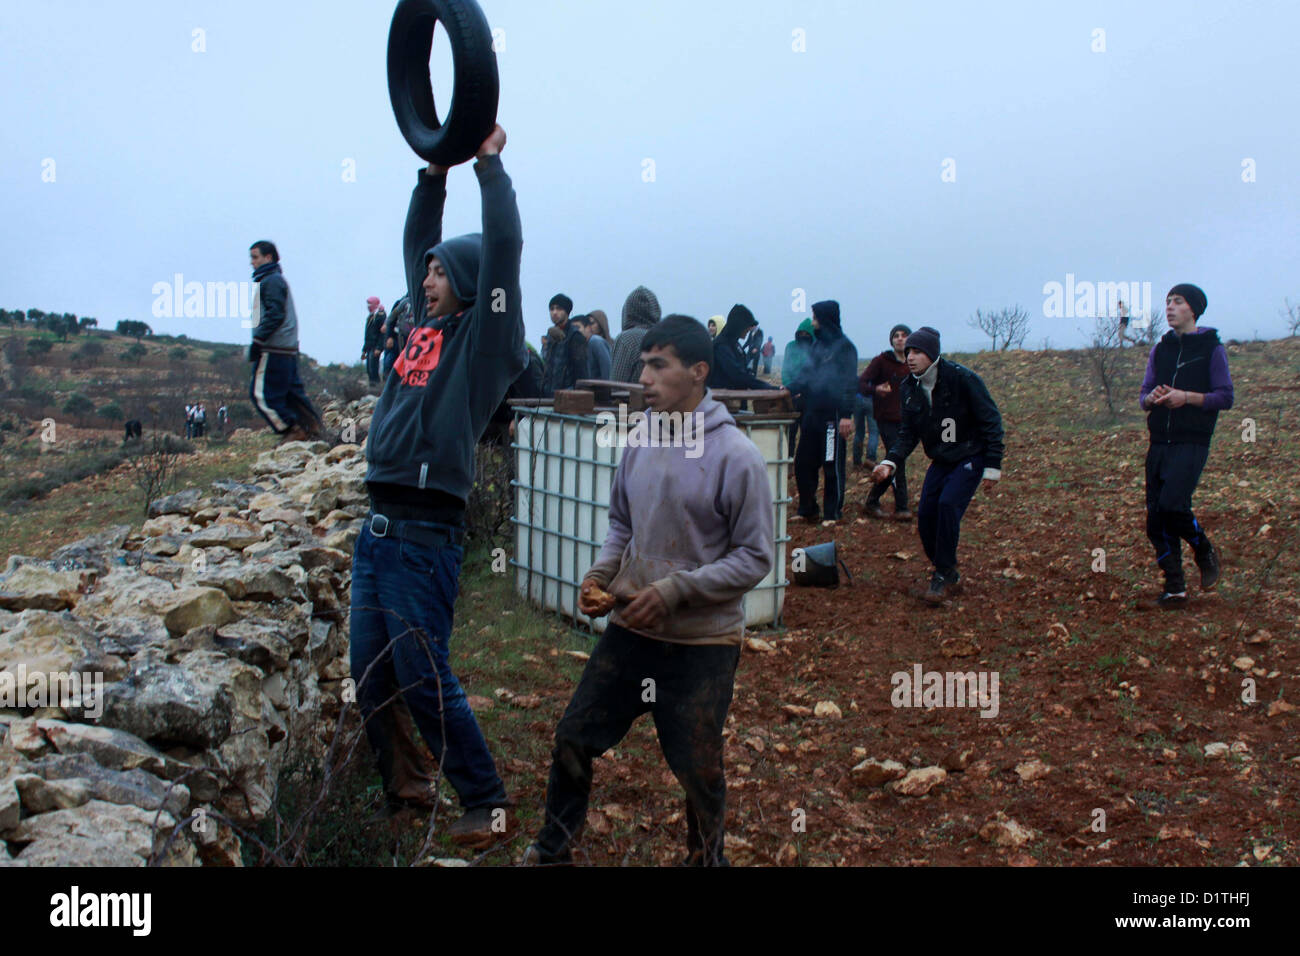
[{"x": 689, "y": 698}]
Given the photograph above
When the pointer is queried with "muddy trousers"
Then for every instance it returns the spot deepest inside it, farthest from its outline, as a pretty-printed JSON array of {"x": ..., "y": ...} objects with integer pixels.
[
  {"x": 687, "y": 690},
  {"x": 1172, "y": 473},
  {"x": 945, "y": 496}
]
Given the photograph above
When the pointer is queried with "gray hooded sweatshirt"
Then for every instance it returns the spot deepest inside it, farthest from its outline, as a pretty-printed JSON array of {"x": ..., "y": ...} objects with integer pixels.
[
  {"x": 455, "y": 369},
  {"x": 693, "y": 522}
]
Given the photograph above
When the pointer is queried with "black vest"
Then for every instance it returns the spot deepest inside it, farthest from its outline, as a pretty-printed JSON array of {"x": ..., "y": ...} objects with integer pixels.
[{"x": 1183, "y": 361}]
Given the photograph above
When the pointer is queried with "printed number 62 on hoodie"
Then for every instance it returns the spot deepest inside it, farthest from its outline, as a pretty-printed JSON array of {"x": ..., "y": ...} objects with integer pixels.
[{"x": 420, "y": 357}]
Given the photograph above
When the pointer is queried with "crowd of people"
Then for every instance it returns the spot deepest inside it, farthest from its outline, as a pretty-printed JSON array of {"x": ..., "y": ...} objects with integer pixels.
[{"x": 688, "y": 536}]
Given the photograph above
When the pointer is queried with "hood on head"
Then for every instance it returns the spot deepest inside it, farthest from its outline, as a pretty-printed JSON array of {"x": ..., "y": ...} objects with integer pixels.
[
  {"x": 828, "y": 316},
  {"x": 805, "y": 327},
  {"x": 641, "y": 309},
  {"x": 739, "y": 321},
  {"x": 460, "y": 259}
]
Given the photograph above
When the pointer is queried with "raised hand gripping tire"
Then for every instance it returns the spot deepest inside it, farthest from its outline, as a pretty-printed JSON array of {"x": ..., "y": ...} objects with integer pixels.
[{"x": 473, "y": 110}]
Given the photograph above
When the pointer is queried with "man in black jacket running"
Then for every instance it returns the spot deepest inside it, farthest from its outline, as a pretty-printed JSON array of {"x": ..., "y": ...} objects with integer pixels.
[{"x": 947, "y": 409}]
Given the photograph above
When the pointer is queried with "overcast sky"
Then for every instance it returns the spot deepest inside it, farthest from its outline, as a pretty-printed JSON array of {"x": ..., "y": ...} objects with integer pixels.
[{"x": 775, "y": 169}]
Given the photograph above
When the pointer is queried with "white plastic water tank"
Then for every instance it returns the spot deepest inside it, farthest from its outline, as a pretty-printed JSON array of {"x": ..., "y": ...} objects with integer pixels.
[{"x": 563, "y": 477}]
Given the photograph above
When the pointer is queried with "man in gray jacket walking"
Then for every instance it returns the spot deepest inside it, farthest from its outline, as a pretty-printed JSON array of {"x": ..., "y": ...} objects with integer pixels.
[{"x": 276, "y": 390}]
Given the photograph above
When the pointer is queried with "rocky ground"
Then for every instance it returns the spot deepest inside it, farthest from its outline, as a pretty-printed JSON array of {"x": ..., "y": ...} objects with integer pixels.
[{"x": 219, "y": 631}]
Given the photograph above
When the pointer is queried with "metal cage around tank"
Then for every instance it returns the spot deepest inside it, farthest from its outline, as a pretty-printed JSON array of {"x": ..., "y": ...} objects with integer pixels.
[{"x": 563, "y": 476}]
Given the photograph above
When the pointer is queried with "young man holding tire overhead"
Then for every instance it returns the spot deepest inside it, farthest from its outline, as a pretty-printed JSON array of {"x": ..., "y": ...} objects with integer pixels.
[{"x": 464, "y": 351}]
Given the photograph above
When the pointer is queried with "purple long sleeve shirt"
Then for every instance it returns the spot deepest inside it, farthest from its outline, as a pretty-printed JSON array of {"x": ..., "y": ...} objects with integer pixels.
[{"x": 1217, "y": 399}]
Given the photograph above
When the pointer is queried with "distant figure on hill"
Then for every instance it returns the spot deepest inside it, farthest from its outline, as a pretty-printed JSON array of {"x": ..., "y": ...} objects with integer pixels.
[
  {"x": 133, "y": 430},
  {"x": 276, "y": 390},
  {"x": 372, "y": 345}
]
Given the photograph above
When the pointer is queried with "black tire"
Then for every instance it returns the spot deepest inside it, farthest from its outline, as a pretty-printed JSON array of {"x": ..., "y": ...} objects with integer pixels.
[{"x": 473, "y": 110}]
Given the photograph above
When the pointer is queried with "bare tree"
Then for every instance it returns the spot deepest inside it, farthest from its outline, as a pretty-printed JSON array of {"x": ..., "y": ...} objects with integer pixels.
[
  {"x": 1105, "y": 359},
  {"x": 1010, "y": 327},
  {"x": 1292, "y": 315},
  {"x": 156, "y": 469}
]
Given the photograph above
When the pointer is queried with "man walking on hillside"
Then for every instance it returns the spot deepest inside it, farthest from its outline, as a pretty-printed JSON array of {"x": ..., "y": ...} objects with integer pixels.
[
  {"x": 276, "y": 390},
  {"x": 1186, "y": 385},
  {"x": 945, "y": 407},
  {"x": 883, "y": 379},
  {"x": 828, "y": 384},
  {"x": 689, "y": 535},
  {"x": 466, "y": 348}
]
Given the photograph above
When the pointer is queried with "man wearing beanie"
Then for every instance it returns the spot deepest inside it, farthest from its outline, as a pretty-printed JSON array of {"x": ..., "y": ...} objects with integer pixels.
[
  {"x": 882, "y": 380},
  {"x": 640, "y": 312},
  {"x": 946, "y": 408},
  {"x": 828, "y": 386},
  {"x": 1186, "y": 386},
  {"x": 464, "y": 351},
  {"x": 564, "y": 349},
  {"x": 730, "y": 361},
  {"x": 373, "y": 343}
]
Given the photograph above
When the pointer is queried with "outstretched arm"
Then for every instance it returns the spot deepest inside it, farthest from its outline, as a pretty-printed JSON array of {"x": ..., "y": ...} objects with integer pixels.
[
  {"x": 423, "y": 232},
  {"x": 500, "y": 312}
]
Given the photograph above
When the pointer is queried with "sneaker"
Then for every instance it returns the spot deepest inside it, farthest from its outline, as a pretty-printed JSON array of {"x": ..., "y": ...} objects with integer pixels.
[
  {"x": 535, "y": 856},
  {"x": 474, "y": 828},
  {"x": 872, "y": 509},
  {"x": 1172, "y": 601},
  {"x": 937, "y": 591},
  {"x": 1209, "y": 566},
  {"x": 903, "y": 515}
]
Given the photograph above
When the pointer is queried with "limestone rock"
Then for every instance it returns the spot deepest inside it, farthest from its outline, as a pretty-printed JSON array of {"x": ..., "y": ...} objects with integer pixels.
[
  {"x": 44, "y": 642},
  {"x": 42, "y": 796},
  {"x": 1031, "y": 770},
  {"x": 185, "y": 502},
  {"x": 126, "y": 787},
  {"x": 32, "y": 586},
  {"x": 163, "y": 525},
  {"x": 193, "y": 702},
  {"x": 11, "y": 807},
  {"x": 114, "y": 749},
  {"x": 125, "y": 592},
  {"x": 316, "y": 557},
  {"x": 99, "y": 834},
  {"x": 919, "y": 782},
  {"x": 876, "y": 773},
  {"x": 230, "y": 533},
  {"x": 192, "y": 607},
  {"x": 261, "y": 645},
  {"x": 1003, "y": 831}
]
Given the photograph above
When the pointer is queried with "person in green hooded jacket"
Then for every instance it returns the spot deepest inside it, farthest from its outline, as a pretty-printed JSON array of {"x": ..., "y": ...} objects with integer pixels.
[{"x": 793, "y": 360}]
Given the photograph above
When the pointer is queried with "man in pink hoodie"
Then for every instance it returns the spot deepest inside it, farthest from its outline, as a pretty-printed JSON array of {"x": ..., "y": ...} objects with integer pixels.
[{"x": 690, "y": 534}]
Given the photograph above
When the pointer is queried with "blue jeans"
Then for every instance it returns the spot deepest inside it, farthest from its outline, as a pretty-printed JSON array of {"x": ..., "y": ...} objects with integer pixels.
[
  {"x": 865, "y": 421},
  {"x": 945, "y": 496},
  {"x": 403, "y": 595}
]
